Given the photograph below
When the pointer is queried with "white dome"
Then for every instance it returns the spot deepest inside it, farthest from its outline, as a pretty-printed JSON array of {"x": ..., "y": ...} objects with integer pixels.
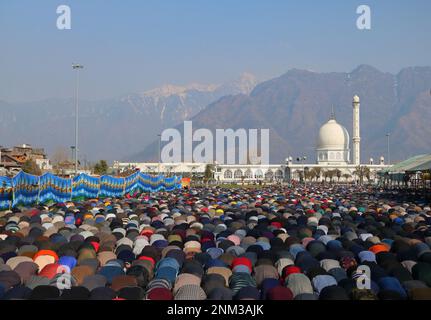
[{"x": 333, "y": 136}]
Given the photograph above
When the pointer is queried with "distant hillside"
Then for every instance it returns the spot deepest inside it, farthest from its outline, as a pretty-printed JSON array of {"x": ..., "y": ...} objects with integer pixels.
[
  {"x": 114, "y": 128},
  {"x": 295, "y": 105}
]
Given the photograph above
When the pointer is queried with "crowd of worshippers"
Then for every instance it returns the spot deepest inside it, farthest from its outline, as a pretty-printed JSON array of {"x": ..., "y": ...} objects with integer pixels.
[{"x": 269, "y": 243}]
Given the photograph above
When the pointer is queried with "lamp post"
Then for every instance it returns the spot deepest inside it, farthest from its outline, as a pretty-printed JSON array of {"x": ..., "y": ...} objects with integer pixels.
[
  {"x": 287, "y": 171},
  {"x": 388, "y": 135},
  {"x": 72, "y": 149},
  {"x": 158, "y": 160},
  {"x": 300, "y": 159},
  {"x": 85, "y": 161},
  {"x": 76, "y": 67}
]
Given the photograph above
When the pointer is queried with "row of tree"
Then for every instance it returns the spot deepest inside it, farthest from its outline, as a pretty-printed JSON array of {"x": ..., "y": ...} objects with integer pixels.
[
  {"x": 60, "y": 163},
  {"x": 316, "y": 173},
  {"x": 361, "y": 173},
  {"x": 31, "y": 167}
]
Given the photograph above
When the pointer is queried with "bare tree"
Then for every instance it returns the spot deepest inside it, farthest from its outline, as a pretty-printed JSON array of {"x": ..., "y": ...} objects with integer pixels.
[
  {"x": 362, "y": 172},
  {"x": 311, "y": 174},
  {"x": 59, "y": 156},
  {"x": 346, "y": 176},
  {"x": 209, "y": 173},
  {"x": 338, "y": 173},
  {"x": 317, "y": 172},
  {"x": 31, "y": 167},
  {"x": 60, "y": 160},
  {"x": 330, "y": 174},
  {"x": 325, "y": 174}
]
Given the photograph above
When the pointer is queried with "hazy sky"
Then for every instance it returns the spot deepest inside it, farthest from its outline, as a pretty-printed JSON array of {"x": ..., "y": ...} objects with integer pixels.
[{"x": 131, "y": 46}]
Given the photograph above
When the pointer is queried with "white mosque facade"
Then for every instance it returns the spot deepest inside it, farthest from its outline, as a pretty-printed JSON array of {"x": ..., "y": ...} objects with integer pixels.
[{"x": 333, "y": 160}]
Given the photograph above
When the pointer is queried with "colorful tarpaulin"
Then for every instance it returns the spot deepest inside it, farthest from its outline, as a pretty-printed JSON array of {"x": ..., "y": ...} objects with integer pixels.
[
  {"x": 53, "y": 188},
  {"x": 131, "y": 184},
  {"x": 85, "y": 187},
  {"x": 111, "y": 187},
  {"x": 172, "y": 183},
  {"x": 5, "y": 193},
  {"x": 139, "y": 182},
  {"x": 26, "y": 189}
]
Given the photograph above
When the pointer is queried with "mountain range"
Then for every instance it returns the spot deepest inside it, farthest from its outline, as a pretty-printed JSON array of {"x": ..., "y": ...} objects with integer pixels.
[
  {"x": 293, "y": 106},
  {"x": 110, "y": 129}
]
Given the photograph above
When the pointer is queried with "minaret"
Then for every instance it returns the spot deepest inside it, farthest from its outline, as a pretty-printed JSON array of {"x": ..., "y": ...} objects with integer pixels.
[{"x": 356, "y": 132}]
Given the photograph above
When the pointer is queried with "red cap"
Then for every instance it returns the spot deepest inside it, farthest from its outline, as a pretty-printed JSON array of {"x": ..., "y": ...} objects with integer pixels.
[
  {"x": 148, "y": 259},
  {"x": 50, "y": 270},
  {"x": 290, "y": 270},
  {"x": 242, "y": 261},
  {"x": 44, "y": 253},
  {"x": 95, "y": 245},
  {"x": 276, "y": 224},
  {"x": 159, "y": 294}
]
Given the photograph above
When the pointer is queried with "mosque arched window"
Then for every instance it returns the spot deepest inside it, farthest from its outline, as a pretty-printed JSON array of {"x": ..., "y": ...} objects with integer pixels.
[
  {"x": 237, "y": 174},
  {"x": 248, "y": 174},
  {"x": 258, "y": 174},
  {"x": 279, "y": 174},
  {"x": 269, "y": 175},
  {"x": 228, "y": 174}
]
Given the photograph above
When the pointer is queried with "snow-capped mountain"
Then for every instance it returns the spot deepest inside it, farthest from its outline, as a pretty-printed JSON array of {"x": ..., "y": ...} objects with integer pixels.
[
  {"x": 111, "y": 129},
  {"x": 173, "y": 104},
  {"x": 295, "y": 105}
]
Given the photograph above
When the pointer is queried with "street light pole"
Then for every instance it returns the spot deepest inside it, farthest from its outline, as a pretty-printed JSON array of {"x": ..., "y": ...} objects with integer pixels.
[
  {"x": 76, "y": 67},
  {"x": 72, "y": 149},
  {"x": 388, "y": 135},
  {"x": 300, "y": 159},
  {"x": 159, "y": 156},
  {"x": 303, "y": 168}
]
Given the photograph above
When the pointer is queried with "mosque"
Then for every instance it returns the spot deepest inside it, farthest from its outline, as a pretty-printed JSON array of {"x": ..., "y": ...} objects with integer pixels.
[{"x": 333, "y": 161}]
